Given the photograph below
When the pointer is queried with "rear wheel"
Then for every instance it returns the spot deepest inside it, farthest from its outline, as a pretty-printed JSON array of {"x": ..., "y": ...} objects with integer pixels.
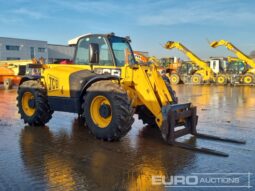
[
  {"x": 107, "y": 110},
  {"x": 248, "y": 79},
  {"x": 196, "y": 79},
  {"x": 7, "y": 83},
  {"x": 32, "y": 103},
  {"x": 174, "y": 79},
  {"x": 221, "y": 80}
]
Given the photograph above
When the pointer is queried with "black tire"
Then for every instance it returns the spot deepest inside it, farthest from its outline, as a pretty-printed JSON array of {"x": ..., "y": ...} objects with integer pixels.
[
  {"x": 174, "y": 79},
  {"x": 121, "y": 110},
  {"x": 42, "y": 113},
  {"x": 165, "y": 78},
  {"x": 146, "y": 116},
  {"x": 172, "y": 93},
  {"x": 221, "y": 80},
  {"x": 7, "y": 83},
  {"x": 196, "y": 79}
]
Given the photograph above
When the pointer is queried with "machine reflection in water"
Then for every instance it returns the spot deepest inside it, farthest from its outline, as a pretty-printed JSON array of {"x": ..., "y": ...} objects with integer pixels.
[{"x": 70, "y": 161}]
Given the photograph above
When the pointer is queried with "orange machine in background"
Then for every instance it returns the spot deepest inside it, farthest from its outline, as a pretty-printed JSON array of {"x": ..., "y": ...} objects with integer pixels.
[
  {"x": 171, "y": 64},
  {"x": 11, "y": 71},
  {"x": 140, "y": 58},
  {"x": 8, "y": 78}
]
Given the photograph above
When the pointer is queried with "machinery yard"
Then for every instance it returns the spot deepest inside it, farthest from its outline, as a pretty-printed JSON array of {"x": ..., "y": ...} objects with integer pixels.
[
  {"x": 64, "y": 156},
  {"x": 107, "y": 121},
  {"x": 127, "y": 95}
]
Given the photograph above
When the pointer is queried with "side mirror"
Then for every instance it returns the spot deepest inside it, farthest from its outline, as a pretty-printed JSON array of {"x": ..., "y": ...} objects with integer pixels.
[{"x": 93, "y": 53}]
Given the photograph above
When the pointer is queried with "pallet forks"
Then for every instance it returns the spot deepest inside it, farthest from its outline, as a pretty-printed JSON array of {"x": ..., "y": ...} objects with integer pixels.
[{"x": 186, "y": 115}]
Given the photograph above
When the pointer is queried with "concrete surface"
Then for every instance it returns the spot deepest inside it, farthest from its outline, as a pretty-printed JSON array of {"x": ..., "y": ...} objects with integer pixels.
[{"x": 64, "y": 156}]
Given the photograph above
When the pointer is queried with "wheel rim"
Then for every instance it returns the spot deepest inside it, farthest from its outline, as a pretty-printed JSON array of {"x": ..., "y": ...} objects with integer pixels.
[
  {"x": 247, "y": 79},
  {"x": 100, "y": 110},
  {"x": 174, "y": 79},
  {"x": 221, "y": 80},
  {"x": 28, "y": 109},
  {"x": 195, "y": 79}
]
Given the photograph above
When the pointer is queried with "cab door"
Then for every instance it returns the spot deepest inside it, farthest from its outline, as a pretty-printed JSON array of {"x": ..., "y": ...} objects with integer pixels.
[{"x": 104, "y": 64}]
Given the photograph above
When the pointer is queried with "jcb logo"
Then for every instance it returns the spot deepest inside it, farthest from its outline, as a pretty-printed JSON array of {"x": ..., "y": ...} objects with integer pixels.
[
  {"x": 114, "y": 72},
  {"x": 53, "y": 83}
]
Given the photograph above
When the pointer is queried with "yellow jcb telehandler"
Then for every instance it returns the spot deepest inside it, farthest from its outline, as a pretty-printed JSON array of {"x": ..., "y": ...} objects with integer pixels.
[
  {"x": 106, "y": 86},
  {"x": 247, "y": 74},
  {"x": 203, "y": 74}
]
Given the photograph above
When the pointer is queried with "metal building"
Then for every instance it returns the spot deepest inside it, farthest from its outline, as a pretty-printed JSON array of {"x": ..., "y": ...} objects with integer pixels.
[{"x": 22, "y": 49}]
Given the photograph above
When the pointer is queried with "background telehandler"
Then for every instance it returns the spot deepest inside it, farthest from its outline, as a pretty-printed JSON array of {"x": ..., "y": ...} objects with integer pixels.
[
  {"x": 247, "y": 75},
  {"x": 204, "y": 74}
]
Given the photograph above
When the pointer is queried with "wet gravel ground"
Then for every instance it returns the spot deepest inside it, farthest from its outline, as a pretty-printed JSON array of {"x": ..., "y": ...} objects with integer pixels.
[{"x": 64, "y": 156}]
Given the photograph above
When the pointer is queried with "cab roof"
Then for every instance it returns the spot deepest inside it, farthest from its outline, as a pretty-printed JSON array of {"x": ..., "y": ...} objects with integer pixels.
[{"x": 74, "y": 41}]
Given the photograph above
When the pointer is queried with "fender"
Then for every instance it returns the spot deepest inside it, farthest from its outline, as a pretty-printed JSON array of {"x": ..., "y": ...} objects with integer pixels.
[
  {"x": 81, "y": 80},
  {"x": 29, "y": 77},
  {"x": 96, "y": 79},
  {"x": 73, "y": 103}
]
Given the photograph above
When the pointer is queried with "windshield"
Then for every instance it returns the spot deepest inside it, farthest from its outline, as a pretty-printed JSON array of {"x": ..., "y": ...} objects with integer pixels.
[
  {"x": 187, "y": 68},
  {"x": 236, "y": 67},
  {"x": 122, "y": 51},
  {"x": 82, "y": 53}
]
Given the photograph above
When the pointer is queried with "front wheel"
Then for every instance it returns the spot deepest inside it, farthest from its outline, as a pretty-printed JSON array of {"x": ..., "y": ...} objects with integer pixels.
[
  {"x": 174, "y": 79},
  {"x": 145, "y": 114},
  {"x": 248, "y": 79},
  {"x": 196, "y": 79},
  {"x": 32, "y": 103},
  {"x": 221, "y": 80},
  {"x": 172, "y": 93},
  {"x": 107, "y": 110}
]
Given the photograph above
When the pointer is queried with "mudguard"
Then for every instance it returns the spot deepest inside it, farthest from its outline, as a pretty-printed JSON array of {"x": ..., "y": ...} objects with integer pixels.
[
  {"x": 98, "y": 78},
  {"x": 29, "y": 77},
  {"x": 81, "y": 80}
]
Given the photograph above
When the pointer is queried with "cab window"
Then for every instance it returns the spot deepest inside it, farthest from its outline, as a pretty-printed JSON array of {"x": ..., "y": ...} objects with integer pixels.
[
  {"x": 82, "y": 54},
  {"x": 122, "y": 51}
]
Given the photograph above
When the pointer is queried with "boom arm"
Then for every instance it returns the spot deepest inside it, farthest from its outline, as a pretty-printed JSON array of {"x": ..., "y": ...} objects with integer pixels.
[
  {"x": 196, "y": 60},
  {"x": 235, "y": 50},
  {"x": 234, "y": 59}
]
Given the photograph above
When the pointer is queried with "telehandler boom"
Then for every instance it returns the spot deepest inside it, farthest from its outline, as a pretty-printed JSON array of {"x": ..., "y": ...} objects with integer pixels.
[
  {"x": 248, "y": 76},
  {"x": 203, "y": 74},
  {"x": 106, "y": 87}
]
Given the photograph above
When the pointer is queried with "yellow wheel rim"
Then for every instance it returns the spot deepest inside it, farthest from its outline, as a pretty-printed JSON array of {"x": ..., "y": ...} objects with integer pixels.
[
  {"x": 174, "y": 79},
  {"x": 98, "y": 119},
  {"x": 195, "y": 79},
  {"x": 221, "y": 80},
  {"x": 26, "y": 98},
  {"x": 247, "y": 79}
]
